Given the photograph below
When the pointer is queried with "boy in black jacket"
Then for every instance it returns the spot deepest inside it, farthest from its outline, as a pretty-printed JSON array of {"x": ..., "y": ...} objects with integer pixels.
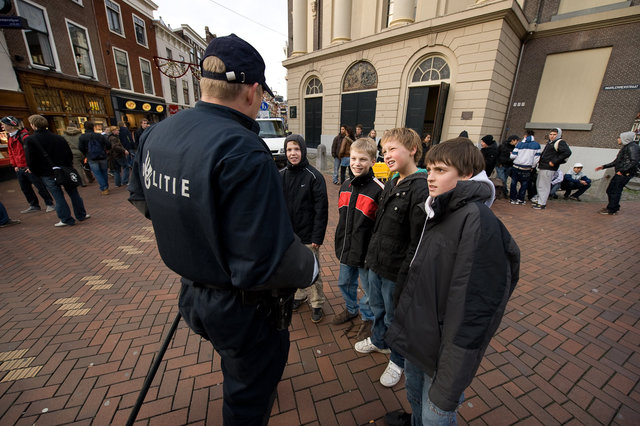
[
  {"x": 305, "y": 193},
  {"x": 357, "y": 205},
  {"x": 396, "y": 232},
  {"x": 464, "y": 270}
]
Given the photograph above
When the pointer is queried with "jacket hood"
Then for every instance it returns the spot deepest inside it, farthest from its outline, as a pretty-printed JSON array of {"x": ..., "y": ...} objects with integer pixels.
[
  {"x": 627, "y": 137},
  {"x": 478, "y": 188},
  {"x": 72, "y": 131},
  {"x": 303, "y": 149},
  {"x": 559, "y": 130}
]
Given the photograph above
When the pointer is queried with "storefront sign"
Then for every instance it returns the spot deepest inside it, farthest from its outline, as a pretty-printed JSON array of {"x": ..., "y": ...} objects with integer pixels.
[
  {"x": 130, "y": 105},
  {"x": 173, "y": 109},
  {"x": 138, "y": 105},
  {"x": 146, "y": 107},
  {"x": 159, "y": 108}
]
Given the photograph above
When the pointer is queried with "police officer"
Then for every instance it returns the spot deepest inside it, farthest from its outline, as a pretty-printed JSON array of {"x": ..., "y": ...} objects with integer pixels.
[{"x": 212, "y": 191}]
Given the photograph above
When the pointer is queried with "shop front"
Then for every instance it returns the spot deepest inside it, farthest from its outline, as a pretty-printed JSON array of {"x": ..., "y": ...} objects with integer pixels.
[
  {"x": 132, "y": 108},
  {"x": 63, "y": 100}
]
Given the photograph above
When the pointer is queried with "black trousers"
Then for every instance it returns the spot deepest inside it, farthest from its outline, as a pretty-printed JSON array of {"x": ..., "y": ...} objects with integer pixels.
[
  {"x": 614, "y": 191},
  {"x": 252, "y": 351},
  {"x": 26, "y": 180}
]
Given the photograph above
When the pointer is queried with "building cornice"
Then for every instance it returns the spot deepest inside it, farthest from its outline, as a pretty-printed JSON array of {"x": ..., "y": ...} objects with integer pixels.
[
  {"x": 507, "y": 10},
  {"x": 586, "y": 22},
  {"x": 146, "y": 7}
]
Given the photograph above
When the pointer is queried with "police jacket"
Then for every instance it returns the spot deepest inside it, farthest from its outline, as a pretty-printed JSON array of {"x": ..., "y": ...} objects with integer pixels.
[
  {"x": 627, "y": 159},
  {"x": 212, "y": 191},
  {"x": 56, "y": 148},
  {"x": 396, "y": 232},
  {"x": 556, "y": 152},
  {"x": 464, "y": 270},
  {"x": 305, "y": 195},
  {"x": 357, "y": 206}
]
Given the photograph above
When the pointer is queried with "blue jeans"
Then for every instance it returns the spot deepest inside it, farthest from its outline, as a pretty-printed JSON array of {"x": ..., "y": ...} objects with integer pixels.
[
  {"x": 26, "y": 180},
  {"x": 62, "y": 208},
  {"x": 424, "y": 411},
  {"x": 522, "y": 177},
  {"x": 503, "y": 174},
  {"x": 99, "y": 170},
  {"x": 121, "y": 165},
  {"x": 336, "y": 169},
  {"x": 4, "y": 216},
  {"x": 348, "y": 284},
  {"x": 614, "y": 191},
  {"x": 381, "y": 303}
]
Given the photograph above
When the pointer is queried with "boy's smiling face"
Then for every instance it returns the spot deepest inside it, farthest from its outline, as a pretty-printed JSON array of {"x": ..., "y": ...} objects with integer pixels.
[
  {"x": 294, "y": 154},
  {"x": 360, "y": 162},
  {"x": 442, "y": 178},
  {"x": 398, "y": 157}
]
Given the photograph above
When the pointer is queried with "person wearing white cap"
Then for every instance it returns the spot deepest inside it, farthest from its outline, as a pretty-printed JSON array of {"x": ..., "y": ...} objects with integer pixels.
[
  {"x": 626, "y": 167},
  {"x": 575, "y": 180}
]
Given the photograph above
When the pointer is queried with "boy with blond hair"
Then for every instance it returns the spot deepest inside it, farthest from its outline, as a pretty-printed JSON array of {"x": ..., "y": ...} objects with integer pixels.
[
  {"x": 463, "y": 272},
  {"x": 357, "y": 206},
  {"x": 396, "y": 232}
]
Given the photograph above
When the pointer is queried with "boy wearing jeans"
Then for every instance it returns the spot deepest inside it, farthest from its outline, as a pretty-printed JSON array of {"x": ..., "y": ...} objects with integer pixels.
[
  {"x": 464, "y": 270},
  {"x": 357, "y": 205},
  {"x": 396, "y": 233}
]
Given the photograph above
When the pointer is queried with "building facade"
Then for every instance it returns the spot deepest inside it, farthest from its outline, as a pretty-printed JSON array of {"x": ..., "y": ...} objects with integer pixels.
[
  {"x": 128, "y": 40},
  {"x": 180, "y": 83},
  {"x": 448, "y": 66},
  {"x": 54, "y": 67}
]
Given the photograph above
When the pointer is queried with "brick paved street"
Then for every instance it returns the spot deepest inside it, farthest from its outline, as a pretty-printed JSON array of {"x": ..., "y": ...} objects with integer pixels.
[{"x": 83, "y": 310}]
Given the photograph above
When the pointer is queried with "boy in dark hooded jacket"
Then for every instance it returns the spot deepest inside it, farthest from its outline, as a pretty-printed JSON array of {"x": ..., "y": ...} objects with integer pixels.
[
  {"x": 465, "y": 268},
  {"x": 305, "y": 193}
]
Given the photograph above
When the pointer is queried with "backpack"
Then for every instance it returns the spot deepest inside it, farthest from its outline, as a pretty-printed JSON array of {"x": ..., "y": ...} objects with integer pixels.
[{"x": 95, "y": 150}]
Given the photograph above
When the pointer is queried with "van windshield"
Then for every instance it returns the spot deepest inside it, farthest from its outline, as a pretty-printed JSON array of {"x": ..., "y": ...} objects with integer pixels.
[{"x": 271, "y": 129}]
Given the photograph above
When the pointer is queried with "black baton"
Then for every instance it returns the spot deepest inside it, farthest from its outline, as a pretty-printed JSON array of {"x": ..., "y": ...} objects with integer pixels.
[{"x": 152, "y": 371}]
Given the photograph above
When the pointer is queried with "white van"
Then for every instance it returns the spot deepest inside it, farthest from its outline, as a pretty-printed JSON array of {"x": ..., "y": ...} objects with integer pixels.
[{"x": 273, "y": 133}]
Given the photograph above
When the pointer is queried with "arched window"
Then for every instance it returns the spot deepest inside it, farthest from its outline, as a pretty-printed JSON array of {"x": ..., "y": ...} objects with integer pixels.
[
  {"x": 431, "y": 69},
  {"x": 361, "y": 76},
  {"x": 314, "y": 87}
]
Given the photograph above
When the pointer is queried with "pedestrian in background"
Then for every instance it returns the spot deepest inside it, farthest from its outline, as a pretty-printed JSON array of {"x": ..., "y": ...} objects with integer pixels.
[
  {"x": 72, "y": 135},
  {"x": 15, "y": 146},
  {"x": 625, "y": 166},
  {"x": 95, "y": 146}
]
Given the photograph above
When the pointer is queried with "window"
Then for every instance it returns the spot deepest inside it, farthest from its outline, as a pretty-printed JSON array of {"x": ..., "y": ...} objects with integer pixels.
[
  {"x": 196, "y": 88},
  {"x": 147, "y": 79},
  {"x": 361, "y": 76},
  {"x": 169, "y": 53},
  {"x": 569, "y": 87},
  {"x": 140, "y": 30},
  {"x": 78, "y": 2},
  {"x": 185, "y": 91},
  {"x": 113, "y": 16},
  {"x": 81, "y": 50},
  {"x": 122, "y": 68},
  {"x": 431, "y": 69},
  {"x": 173, "y": 86},
  {"x": 37, "y": 36},
  {"x": 314, "y": 87}
]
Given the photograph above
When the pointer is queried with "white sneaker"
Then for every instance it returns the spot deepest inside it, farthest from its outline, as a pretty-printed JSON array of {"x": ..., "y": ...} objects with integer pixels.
[
  {"x": 50, "y": 209},
  {"x": 365, "y": 347},
  {"x": 391, "y": 375},
  {"x": 61, "y": 223}
]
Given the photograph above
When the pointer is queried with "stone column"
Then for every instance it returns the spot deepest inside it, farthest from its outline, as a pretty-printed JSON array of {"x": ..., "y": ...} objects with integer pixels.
[
  {"x": 403, "y": 12},
  {"x": 341, "y": 21},
  {"x": 299, "y": 19}
]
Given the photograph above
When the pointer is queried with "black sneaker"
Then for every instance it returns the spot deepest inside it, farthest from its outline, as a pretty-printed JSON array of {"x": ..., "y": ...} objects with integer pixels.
[
  {"x": 397, "y": 418},
  {"x": 317, "y": 315},
  {"x": 298, "y": 302},
  {"x": 539, "y": 206},
  {"x": 574, "y": 198}
]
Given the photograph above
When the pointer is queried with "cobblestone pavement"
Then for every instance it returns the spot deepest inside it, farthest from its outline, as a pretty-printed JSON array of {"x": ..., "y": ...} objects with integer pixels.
[{"x": 83, "y": 310}]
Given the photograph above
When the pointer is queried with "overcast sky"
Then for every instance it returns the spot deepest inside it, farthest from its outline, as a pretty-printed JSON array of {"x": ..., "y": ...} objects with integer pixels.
[{"x": 221, "y": 21}]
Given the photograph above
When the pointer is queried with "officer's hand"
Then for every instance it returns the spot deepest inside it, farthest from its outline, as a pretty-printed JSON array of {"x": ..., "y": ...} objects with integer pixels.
[{"x": 315, "y": 246}]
